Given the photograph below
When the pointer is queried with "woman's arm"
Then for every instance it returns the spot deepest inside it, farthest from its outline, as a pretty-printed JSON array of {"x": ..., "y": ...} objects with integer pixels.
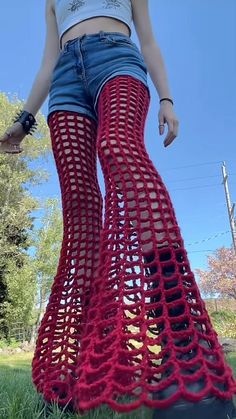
[
  {"x": 10, "y": 141},
  {"x": 156, "y": 68},
  {"x": 149, "y": 48},
  {"x": 41, "y": 84}
]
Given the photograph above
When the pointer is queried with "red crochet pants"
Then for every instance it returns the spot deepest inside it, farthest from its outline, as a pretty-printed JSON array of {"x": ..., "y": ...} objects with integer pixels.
[{"x": 125, "y": 319}]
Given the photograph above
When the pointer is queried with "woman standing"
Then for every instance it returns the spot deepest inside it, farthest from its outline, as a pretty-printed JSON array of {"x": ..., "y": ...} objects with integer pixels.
[{"x": 125, "y": 323}]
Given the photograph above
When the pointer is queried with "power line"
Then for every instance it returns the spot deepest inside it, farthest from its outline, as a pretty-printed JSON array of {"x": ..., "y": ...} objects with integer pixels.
[
  {"x": 193, "y": 165},
  {"x": 195, "y": 251},
  {"x": 197, "y": 178},
  {"x": 209, "y": 238},
  {"x": 194, "y": 187}
]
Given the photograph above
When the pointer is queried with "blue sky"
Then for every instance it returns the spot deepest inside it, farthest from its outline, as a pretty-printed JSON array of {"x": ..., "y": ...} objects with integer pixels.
[{"x": 198, "y": 44}]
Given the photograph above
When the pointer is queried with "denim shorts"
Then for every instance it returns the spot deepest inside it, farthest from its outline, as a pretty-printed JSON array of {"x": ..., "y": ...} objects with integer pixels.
[{"x": 85, "y": 64}]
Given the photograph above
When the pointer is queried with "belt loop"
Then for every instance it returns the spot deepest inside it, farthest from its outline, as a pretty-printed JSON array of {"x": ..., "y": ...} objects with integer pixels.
[{"x": 101, "y": 34}]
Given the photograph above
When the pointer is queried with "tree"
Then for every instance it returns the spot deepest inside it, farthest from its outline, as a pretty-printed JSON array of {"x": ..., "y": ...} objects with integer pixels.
[
  {"x": 21, "y": 290},
  {"x": 47, "y": 244},
  {"x": 16, "y": 206},
  {"x": 220, "y": 278}
]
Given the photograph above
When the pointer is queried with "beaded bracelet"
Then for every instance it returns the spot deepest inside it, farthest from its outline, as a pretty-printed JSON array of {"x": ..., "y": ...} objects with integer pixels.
[
  {"x": 27, "y": 121},
  {"x": 167, "y": 98}
]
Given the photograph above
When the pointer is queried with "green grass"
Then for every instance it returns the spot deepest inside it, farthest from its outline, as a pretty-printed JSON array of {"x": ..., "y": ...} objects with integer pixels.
[
  {"x": 232, "y": 361},
  {"x": 19, "y": 399}
]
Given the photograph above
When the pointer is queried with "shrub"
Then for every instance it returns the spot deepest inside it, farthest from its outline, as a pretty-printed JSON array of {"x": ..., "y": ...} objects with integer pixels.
[
  {"x": 224, "y": 323},
  {"x": 10, "y": 343}
]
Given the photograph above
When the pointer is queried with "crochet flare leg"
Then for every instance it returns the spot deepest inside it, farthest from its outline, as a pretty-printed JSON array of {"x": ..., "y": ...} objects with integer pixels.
[
  {"x": 57, "y": 350},
  {"x": 148, "y": 338}
]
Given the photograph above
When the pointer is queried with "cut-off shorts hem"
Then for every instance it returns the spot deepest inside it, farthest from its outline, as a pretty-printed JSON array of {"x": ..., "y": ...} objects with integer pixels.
[
  {"x": 81, "y": 110},
  {"x": 71, "y": 108}
]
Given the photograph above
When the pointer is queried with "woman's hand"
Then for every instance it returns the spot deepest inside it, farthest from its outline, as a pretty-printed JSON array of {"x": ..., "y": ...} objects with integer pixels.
[
  {"x": 167, "y": 115},
  {"x": 11, "y": 139}
]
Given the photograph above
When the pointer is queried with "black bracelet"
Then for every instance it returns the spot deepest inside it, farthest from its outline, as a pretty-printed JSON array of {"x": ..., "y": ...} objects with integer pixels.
[
  {"x": 167, "y": 98},
  {"x": 27, "y": 121}
]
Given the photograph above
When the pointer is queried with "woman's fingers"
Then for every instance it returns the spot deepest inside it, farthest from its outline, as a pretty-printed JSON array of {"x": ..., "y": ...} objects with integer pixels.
[
  {"x": 161, "y": 124},
  {"x": 11, "y": 139},
  {"x": 10, "y": 148},
  {"x": 5, "y": 136},
  {"x": 9, "y": 144},
  {"x": 167, "y": 115},
  {"x": 172, "y": 131}
]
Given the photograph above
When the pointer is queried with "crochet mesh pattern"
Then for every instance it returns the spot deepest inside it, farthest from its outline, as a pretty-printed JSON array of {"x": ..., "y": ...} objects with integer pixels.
[
  {"x": 59, "y": 337},
  {"x": 125, "y": 323}
]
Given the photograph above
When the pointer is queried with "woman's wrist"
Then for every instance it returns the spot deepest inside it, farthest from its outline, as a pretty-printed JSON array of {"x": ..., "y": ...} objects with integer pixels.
[
  {"x": 166, "y": 100},
  {"x": 27, "y": 120}
]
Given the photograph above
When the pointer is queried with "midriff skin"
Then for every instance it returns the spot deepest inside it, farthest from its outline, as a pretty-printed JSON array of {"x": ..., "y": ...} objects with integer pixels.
[{"x": 94, "y": 25}]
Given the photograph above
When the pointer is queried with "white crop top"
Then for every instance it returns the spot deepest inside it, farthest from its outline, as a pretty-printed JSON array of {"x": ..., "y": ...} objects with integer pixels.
[{"x": 70, "y": 12}]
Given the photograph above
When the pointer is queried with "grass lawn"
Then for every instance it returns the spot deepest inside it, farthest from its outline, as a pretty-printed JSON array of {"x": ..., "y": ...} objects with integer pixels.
[{"x": 19, "y": 399}]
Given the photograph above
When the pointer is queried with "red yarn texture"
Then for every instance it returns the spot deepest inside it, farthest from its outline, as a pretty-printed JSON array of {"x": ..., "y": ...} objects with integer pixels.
[{"x": 125, "y": 324}]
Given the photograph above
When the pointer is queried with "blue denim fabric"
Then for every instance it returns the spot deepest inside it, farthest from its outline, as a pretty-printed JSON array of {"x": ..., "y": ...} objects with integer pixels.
[{"x": 86, "y": 63}]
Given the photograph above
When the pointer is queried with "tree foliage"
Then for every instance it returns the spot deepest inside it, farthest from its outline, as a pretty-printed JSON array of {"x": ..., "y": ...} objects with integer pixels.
[
  {"x": 220, "y": 277},
  {"x": 21, "y": 287},
  {"x": 16, "y": 206},
  {"x": 47, "y": 244},
  {"x": 224, "y": 323}
]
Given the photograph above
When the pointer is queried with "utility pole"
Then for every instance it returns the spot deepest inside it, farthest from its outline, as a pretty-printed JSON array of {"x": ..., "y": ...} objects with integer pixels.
[{"x": 230, "y": 208}]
